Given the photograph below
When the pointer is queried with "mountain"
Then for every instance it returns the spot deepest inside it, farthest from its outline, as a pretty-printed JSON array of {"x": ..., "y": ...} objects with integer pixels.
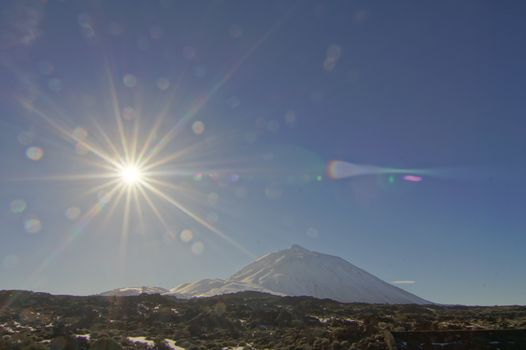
[
  {"x": 300, "y": 272},
  {"x": 131, "y": 291},
  {"x": 211, "y": 287}
]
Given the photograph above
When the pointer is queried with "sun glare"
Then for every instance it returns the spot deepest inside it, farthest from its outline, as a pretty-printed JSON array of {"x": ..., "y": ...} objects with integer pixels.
[
  {"x": 132, "y": 168},
  {"x": 131, "y": 174}
]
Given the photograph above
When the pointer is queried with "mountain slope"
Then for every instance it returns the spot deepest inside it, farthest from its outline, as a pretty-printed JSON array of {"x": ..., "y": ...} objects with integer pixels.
[
  {"x": 132, "y": 291},
  {"x": 298, "y": 271},
  {"x": 211, "y": 287}
]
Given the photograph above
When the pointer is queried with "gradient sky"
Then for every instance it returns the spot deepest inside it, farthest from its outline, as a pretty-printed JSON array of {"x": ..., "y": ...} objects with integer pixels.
[{"x": 262, "y": 96}]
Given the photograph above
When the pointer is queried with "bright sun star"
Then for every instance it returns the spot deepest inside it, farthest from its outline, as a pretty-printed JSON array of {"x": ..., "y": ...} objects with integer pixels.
[
  {"x": 131, "y": 175},
  {"x": 133, "y": 170}
]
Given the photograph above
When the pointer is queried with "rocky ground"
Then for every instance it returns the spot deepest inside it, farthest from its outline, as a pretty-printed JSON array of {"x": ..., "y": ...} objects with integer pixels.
[{"x": 246, "y": 320}]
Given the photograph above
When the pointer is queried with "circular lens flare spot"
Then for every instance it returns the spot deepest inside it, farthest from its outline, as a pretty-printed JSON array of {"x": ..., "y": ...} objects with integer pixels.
[
  {"x": 72, "y": 213},
  {"x": 18, "y": 206},
  {"x": 34, "y": 153},
  {"x": 198, "y": 127},
  {"x": 33, "y": 225},
  {"x": 198, "y": 248},
  {"x": 187, "y": 235}
]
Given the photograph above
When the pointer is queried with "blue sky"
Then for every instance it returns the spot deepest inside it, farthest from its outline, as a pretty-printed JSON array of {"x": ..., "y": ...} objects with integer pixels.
[{"x": 261, "y": 97}]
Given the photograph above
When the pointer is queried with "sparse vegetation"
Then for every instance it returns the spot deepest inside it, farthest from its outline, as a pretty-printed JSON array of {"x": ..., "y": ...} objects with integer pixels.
[{"x": 250, "y": 320}]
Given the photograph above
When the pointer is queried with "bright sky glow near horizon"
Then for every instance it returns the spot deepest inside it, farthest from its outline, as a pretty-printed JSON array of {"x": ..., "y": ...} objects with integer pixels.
[{"x": 161, "y": 142}]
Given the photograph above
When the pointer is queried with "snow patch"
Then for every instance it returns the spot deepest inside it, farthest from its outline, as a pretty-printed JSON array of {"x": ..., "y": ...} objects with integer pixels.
[
  {"x": 171, "y": 344},
  {"x": 85, "y": 336}
]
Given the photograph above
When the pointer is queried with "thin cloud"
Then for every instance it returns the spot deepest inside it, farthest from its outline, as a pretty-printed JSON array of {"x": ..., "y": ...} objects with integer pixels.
[{"x": 403, "y": 282}]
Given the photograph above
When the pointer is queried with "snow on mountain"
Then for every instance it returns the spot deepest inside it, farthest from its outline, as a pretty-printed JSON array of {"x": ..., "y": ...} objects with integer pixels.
[
  {"x": 211, "y": 287},
  {"x": 295, "y": 272},
  {"x": 131, "y": 291},
  {"x": 198, "y": 288},
  {"x": 298, "y": 271}
]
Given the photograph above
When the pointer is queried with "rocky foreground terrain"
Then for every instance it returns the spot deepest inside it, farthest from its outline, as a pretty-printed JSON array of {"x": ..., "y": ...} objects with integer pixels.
[{"x": 246, "y": 320}]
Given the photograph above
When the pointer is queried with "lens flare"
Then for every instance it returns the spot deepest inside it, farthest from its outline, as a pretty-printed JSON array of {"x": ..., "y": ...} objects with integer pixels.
[
  {"x": 186, "y": 235},
  {"x": 131, "y": 168},
  {"x": 198, "y": 127},
  {"x": 33, "y": 225},
  {"x": 413, "y": 178},
  {"x": 72, "y": 213},
  {"x": 18, "y": 206},
  {"x": 34, "y": 153},
  {"x": 198, "y": 248},
  {"x": 338, "y": 169}
]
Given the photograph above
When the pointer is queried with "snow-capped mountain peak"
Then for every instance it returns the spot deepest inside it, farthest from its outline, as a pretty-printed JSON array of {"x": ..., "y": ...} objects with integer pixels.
[{"x": 297, "y": 271}]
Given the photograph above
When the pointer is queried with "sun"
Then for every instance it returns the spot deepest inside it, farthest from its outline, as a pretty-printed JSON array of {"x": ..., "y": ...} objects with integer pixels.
[
  {"x": 131, "y": 174},
  {"x": 134, "y": 170}
]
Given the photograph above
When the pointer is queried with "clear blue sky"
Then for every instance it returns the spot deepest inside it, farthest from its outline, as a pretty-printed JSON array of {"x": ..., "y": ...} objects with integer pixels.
[{"x": 261, "y": 97}]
